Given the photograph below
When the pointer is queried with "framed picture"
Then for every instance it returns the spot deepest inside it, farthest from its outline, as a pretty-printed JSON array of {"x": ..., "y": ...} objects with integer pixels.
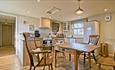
[{"x": 31, "y": 27}]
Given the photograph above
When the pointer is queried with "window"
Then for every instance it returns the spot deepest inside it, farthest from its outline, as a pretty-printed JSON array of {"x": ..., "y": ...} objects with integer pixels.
[{"x": 78, "y": 29}]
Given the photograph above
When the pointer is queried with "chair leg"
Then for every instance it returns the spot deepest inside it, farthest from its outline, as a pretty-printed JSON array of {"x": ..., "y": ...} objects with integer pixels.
[
  {"x": 69, "y": 57},
  {"x": 44, "y": 68},
  {"x": 94, "y": 57},
  {"x": 99, "y": 66},
  {"x": 63, "y": 54},
  {"x": 34, "y": 67},
  {"x": 55, "y": 58},
  {"x": 30, "y": 67},
  {"x": 84, "y": 57},
  {"x": 113, "y": 68},
  {"x": 51, "y": 67}
]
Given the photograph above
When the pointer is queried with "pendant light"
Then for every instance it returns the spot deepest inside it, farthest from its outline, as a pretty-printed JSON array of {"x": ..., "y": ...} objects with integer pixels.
[
  {"x": 38, "y": 1},
  {"x": 79, "y": 10}
]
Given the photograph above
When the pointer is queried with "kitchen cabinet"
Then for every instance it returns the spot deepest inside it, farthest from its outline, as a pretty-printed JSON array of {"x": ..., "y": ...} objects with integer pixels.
[{"x": 65, "y": 26}]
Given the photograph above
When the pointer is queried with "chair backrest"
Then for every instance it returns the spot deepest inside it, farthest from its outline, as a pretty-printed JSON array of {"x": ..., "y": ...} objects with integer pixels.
[
  {"x": 38, "y": 42},
  {"x": 93, "y": 39},
  {"x": 58, "y": 40},
  {"x": 30, "y": 42},
  {"x": 26, "y": 35},
  {"x": 114, "y": 56}
]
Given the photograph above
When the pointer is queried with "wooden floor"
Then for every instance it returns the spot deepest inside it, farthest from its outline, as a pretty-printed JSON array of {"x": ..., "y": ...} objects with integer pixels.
[
  {"x": 6, "y": 50},
  {"x": 10, "y": 62}
]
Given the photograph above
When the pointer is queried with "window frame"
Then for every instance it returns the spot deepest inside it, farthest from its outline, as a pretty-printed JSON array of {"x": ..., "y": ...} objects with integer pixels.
[{"x": 79, "y": 35}]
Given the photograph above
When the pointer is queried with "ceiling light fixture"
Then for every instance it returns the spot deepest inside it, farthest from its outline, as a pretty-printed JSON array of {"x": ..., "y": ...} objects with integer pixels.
[
  {"x": 105, "y": 9},
  {"x": 53, "y": 10},
  {"x": 79, "y": 10},
  {"x": 38, "y": 1}
]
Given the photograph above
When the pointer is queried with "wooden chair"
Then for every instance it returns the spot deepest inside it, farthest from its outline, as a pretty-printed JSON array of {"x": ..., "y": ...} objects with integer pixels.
[
  {"x": 26, "y": 35},
  {"x": 58, "y": 50},
  {"x": 107, "y": 62},
  {"x": 93, "y": 40},
  {"x": 38, "y": 42},
  {"x": 38, "y": 56}
]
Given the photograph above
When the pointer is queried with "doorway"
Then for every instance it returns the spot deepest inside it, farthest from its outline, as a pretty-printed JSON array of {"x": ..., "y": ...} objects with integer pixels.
[{"x": 7, "y": 35}]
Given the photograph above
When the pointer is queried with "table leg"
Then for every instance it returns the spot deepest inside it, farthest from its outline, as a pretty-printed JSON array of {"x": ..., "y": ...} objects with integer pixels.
[
  {"x": 89, "y": 58},
  {"x": 69, "y": 57},
  {"x": 76, "y": 60},
  {"x": 55, "y": 57}
]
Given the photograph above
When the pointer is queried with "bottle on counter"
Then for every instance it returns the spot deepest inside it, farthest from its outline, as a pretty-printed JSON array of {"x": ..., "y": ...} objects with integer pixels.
[{"x": 37, "y": 34}]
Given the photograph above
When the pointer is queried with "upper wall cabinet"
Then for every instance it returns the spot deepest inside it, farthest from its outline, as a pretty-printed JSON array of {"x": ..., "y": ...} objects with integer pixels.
[
  {"x": 45, "y": 22},
  {"x": 66, "y": 26}
]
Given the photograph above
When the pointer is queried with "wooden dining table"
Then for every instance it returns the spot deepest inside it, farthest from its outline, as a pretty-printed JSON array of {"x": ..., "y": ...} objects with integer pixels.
[{"x": 78, "y": 48}]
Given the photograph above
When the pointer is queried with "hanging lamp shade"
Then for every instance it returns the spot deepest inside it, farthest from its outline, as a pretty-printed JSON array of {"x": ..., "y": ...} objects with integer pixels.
[{"x": 79, "y": 10}]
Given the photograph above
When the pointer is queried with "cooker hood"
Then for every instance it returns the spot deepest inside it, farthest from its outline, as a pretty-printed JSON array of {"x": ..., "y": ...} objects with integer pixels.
[{"x": 45, "y": 23}]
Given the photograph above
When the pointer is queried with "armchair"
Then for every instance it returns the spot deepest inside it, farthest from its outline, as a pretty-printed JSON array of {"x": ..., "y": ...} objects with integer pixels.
[
  {"x": 38, "y": 56},
  {"x": 58, "y": 50},
  {"x": 93, "y": 40},
  {"x": 107, "y": 61}
]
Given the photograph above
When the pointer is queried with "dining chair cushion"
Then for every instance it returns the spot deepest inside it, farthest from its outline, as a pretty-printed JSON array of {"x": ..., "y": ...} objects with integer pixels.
[
  {"x": 106, "y": 61},
  {"x": 38, "y": 50}
]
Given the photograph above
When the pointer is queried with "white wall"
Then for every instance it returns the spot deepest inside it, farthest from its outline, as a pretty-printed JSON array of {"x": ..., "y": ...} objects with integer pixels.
[
  {"x": 0, "y": 34},
  {"x": 107, "y": 30},
  {"x": 91, "y": 27},
  {"x": 23, "y": 26}
]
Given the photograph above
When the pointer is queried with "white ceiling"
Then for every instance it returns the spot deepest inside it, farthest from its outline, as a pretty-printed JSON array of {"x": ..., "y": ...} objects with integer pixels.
[{"x": 34, "y": 9}]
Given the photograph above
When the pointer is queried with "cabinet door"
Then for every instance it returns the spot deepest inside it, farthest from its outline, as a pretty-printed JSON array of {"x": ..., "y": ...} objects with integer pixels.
[{"x": 65, "y": 26}]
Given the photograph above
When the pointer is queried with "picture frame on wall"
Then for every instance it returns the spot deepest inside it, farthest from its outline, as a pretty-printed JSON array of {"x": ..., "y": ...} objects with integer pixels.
[{"x": 31, "y": 27}]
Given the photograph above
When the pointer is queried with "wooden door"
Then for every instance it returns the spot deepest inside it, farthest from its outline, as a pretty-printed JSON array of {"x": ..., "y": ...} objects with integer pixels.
[{"x": 7, "y": 35}]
